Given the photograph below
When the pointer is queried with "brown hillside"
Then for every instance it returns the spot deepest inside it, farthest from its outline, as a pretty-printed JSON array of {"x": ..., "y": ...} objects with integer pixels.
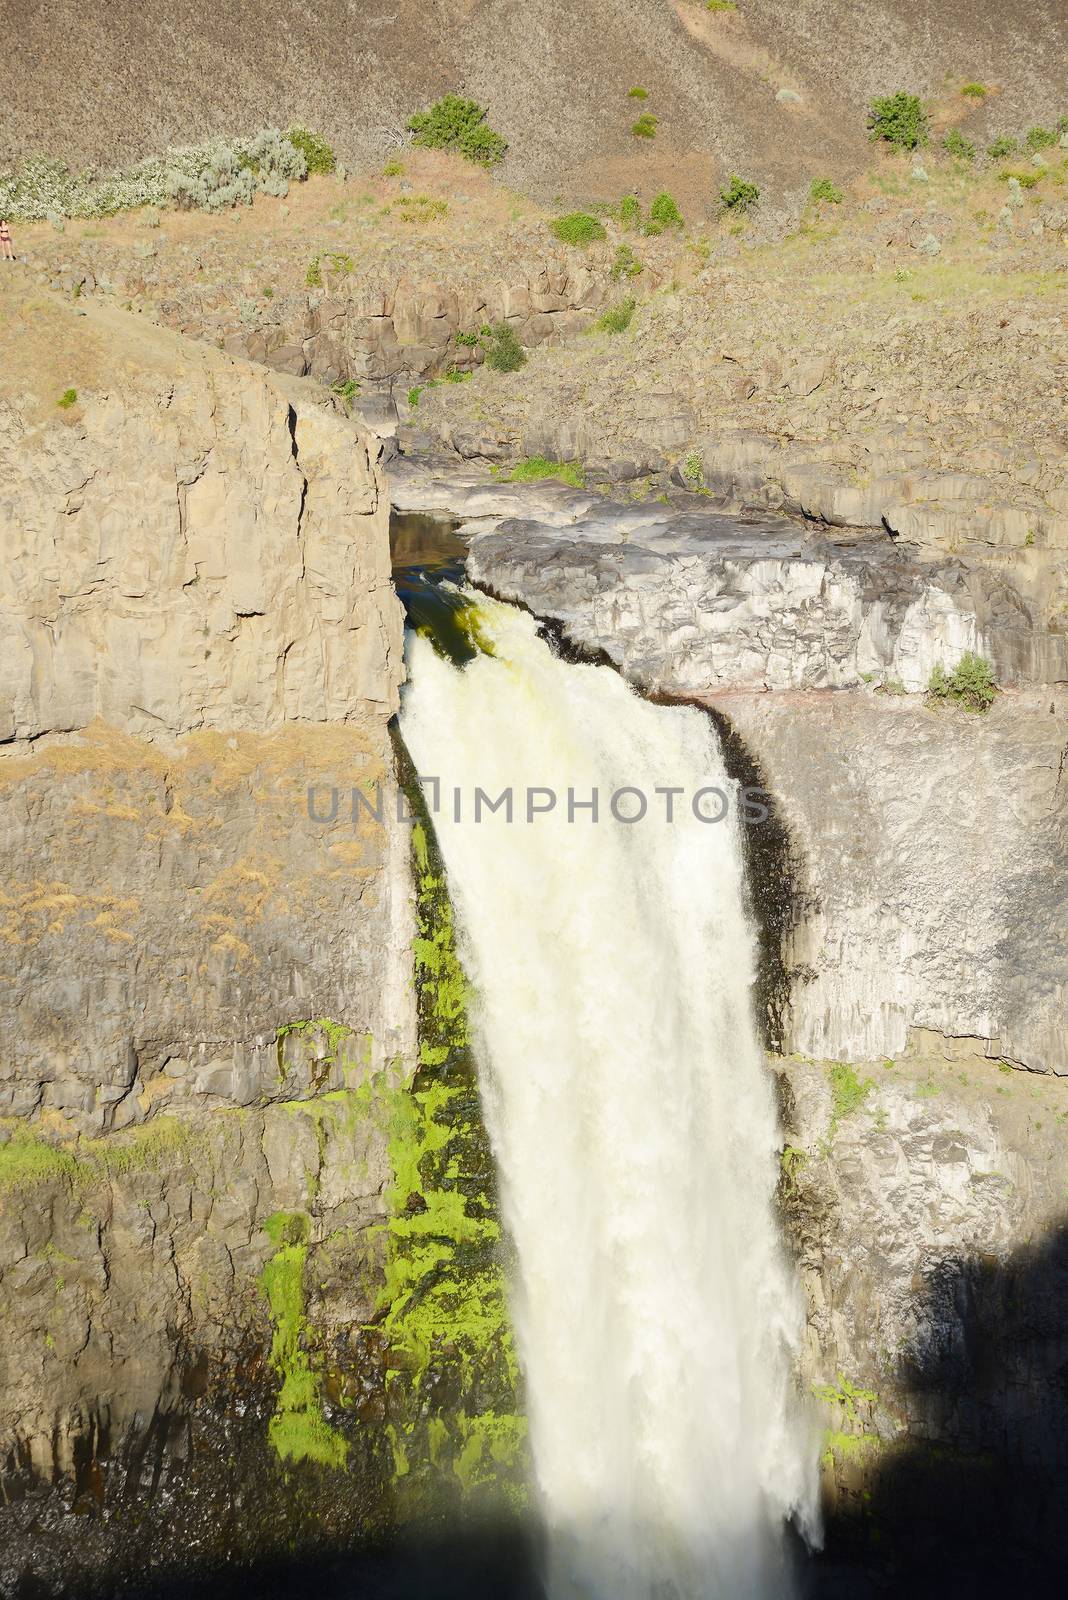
[{"x": 109, "y": 82}]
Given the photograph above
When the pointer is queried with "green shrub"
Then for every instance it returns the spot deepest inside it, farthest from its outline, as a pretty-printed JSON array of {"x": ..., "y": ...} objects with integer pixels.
[
  {"x": 68, "y": 398},
  {"x": 1026, "y": 180},
  {"x": 536, "y": 468},
  {"x": 720, "y": 5},
  {"x": 314, "y": 277},
  {"x": 971, "y": 683},
  {"x": 454, "y": 123},
  {"x": 630, "y": 211},
  {"x": 645, "y": 127},
  {"x": 419, "y": 208},
  {"x": 638, "y": 93},
  {"x": 314, "y": 148},
  {"x": 899, "y": 120},
  {"x": 470, "y": 340},
  {"x": 848, "y": 1092},
  {"x": 663, "y": 214},
  {"x": 824, "y": 189},
  {"x": 413, "y": 394},
  {"x": 1000, "y": 148},
  {"x": 1040, "y": 138},
  {"x": 974, "y": 91},
  {"x": 346, "y": 391},
  {"x": 738, "y": 195},
  {"x": 503, "y": 351},
  {"x": 617, "y": 319},
  {"x": 577, "y": 227},
  {"x": 955, "y": 144},
  {"x": 626, "y": 264},
  {"x": 393, "y": 169}
]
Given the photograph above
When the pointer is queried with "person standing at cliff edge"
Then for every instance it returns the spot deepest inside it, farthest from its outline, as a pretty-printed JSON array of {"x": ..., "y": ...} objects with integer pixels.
[{"x": 5, "y": 241}]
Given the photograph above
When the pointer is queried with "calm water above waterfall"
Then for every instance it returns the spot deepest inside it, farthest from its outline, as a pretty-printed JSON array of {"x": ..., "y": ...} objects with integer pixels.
[{"x": 632, "y": 1119}]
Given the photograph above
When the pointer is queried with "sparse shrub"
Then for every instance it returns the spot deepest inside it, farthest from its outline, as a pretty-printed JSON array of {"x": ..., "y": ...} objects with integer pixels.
[
  {"x": 68, "y": 398},
  {"x": 848, "y": 1092},
  {"x": 824, "y": 189},
  {"x": 346, "y": 391},
  {"x": 738, "y": 195},
  {"x": 578, "y": 228},
  {"x": 720, "y": 5},
  {"x": 313, "y": 147},
  {"x": 413, "y": 394},
  {"x": 1002, "y": 147},
  {"x": 470, "y": 340},
  {"x": 208, "y": 176},
  {"x": 454, "y": 123},
  {"x": 899, "y": 120},
  {"x": 1040, "y": 138},
  {"x": 393, "y": 169},
  {"x": 645, "y": 127},
  {"x": 630, "y": 211},
  {"x": 974, "y": 91},
  {"x": 419, "y": 208},
  {"x": 693, "y": 469},
  {"x": 638, "y": 93},
  {"x": 534, "y": 469},
  {"x": 971, "y": 683},
  {"x": 502, "y": 349},
  {"x": 1025, "y": 179},
  {"x": 663, "y": 214},
  {"x": 314, "y": 276},
  {"x": 617, "y": 319},
  {"x": 626, "y": 264},
  {"x": 955, "y": 144}
]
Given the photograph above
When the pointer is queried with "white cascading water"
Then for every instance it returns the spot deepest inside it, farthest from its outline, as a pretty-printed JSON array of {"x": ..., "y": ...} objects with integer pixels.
[{"x": 633, "y": 1123}]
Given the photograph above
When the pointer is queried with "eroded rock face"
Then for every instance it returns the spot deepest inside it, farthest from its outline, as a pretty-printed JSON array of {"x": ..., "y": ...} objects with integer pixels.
[{"x": 206, "y": 977}]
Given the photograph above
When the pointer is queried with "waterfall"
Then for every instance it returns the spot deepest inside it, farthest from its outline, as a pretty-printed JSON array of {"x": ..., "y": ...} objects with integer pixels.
[{"x": 632, "y": 1119}]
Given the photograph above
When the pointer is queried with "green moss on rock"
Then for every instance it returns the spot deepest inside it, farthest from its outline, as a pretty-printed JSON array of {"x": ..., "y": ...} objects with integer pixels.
[{"x": 298, "y": 1431}]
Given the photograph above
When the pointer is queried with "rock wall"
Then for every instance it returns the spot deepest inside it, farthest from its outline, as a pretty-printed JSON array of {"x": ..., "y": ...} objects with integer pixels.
[{"x": 205, "y": 976}]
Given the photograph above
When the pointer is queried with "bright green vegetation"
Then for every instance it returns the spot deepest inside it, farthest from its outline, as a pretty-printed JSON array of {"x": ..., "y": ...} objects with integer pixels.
[
  {"x": 502, "y": 349},
  {"x": 790, "y": 1164},
  {"x": 27, "y": 1160},
  {"x": 536, "y": 468},
  {"x": 414, "y": 392},
  {"x": 638, "y": 93},
  {"x": 297, "y": 1429},
  {"x": 1000, "y": 148},
  {"x": 313, "y": 147},
  {"x": 346, "y": 392},
  {"x": 663, "y": 214},
  {"x": 824, "y": 189},
  {"x": 738, "y": 195},
  {"x": 720, "y": 5},
  {"x": 336, "y": 261},
  {"x": 630, "y": 211},
  {"x": 618, "y": 318},
  {"x": 974, "y": 91},
  {"x": 899, "y": 120},
  {"x": 625, "y": 264},
  {"x": 1040, "y": 138},
  {"x": 854, "y": 1440},
  {"x": 971, "y": 683},
  {"x": 693, "y": 469},
  {"x": 1026, "y": 180},
  {"x": 454, "y": 123},
  {"x": 454, "y": 1415},
  {"x": 848, "y": 1093},
  {"x": 68, "y": 398},
  {"x": 645, "y": 126},
  {"x": 393, "y": 169},
  {"x": 955, "y": 144},
  {"x": 577, "y": 228}
]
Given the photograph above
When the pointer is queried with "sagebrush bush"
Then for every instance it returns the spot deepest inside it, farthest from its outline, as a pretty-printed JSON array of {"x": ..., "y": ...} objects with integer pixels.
[
  {"x": 899, "y": 120},
  {"x": 617, "y": 319},
  {"x": 824, "y": 189},
  {"x": 503, "y": 352},
  {"x": 577, "y": 227},
  {"x": 738, "y": 195},
  {"x": 971, "y": 683},
  {"x": 211, "y": 176},
  {"x": 453, "y": 123},
  {"x": 313, "y": 147},
  {"x": 955, "y": 144}
]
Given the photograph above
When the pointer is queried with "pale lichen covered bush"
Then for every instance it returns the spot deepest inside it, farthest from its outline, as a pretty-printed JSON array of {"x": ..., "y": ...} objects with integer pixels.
[{"x": 212, "y": 176}]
